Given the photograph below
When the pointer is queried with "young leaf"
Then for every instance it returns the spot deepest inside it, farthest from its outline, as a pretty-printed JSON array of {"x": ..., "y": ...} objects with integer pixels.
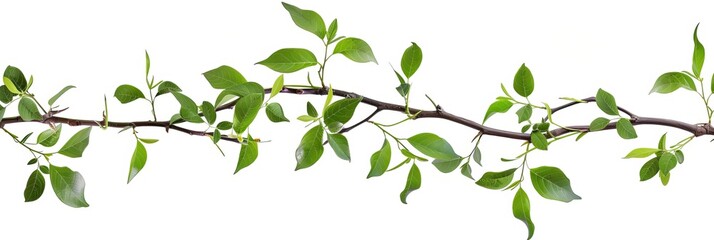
[
  {"x": 477, "y": 155},
  {"x": 433, "y": 146},
  {"x": 275, "y": 113},
  {"x": 32, "y": 161},
  {"x": 413, "y": 183},
  {"x": 148, "y": 140},
  {"x": 224, "y": 77},
  {"x": 306, "y": 118},
  {"x": 310, "y": 149},
  {"x": 649, "y": 169},
  {"x": 341, "y": 112},
  {"x": 127, "y": 93},
  {"x": 355, "y": 49},
  {"x": 606, "y": 102},
  {"x": 248, "y": 155},
  {"x": 411, "y": 59},
  {"x": 306, "y": 19},
  {"x": 539, "y": 141},
  {"x": 671, "y": 81},
  {"x": 189, "y": 110},
  {"x": 642, "y": 152},
  {"x": 240, "y": 90},
  {"x": 28, "y": 110},
  {"x": 209, "y": 112},
  {"x": 35, "y": 186},
  {"x": 662, "y": 142},
  {"x": 311, "y": 110},
  {"x": 44, "y": 169},
  {"x": 277, "y": 86},
  {"x": 680, "y": 156},
  {"x": 328, "y": 100},
  {"x": 698, "y": 55},
  {"x": 148, "y": 63},
  {"x": 403, "y": 89},
  {"x": 664, "y": 178},
  {"x": 246, "y": 110},
  {"x": 10, "y": 85},
  {"x": 599, "y": 124},
  {"x": 332, "y": 31},
  {"x": 379, "y": 161},
  {"x": 74, "y": 147},
  {"x": 667, "y": 162},
  {"x": 167, "y": 87},
  {"x": 551, "y": 183},
  {"x": 68, "y": 185},
  {"x": 54, "y": 98},
  {"x": 499, "y": 106},
  {"x": 288, "y": 60},
  {"x": 524, "y": 113},
  {"x": 49, "y": 137},
  {"x": 16, "y": 77},
  {"x": 138, "y": 160},
  {"x": 496, "y": 180},
  {"x": 224, "y": 125},
  {"x": 523, "y": 81},
  {"x": 466, "y": 170},
  {"x": 340, "y": 145},
  {"x": 625, "y": 129},
  {"x": 522, "y": 210}
]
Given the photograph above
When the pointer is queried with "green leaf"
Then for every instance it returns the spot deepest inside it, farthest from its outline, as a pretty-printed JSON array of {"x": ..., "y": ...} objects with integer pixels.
[
  {"x": 649, "y": 169},
  {"x": 148, "y": 63},
  {"x": 74, "y": 147},
  {"x": 49, "y": 137},
  {"x": 332, "y": 31},
  {"x": 246, "y": 110},
  {"x": 523, "y": 81},
  {"x": 433, "y": 146},
  {"x": 499, "y": 106},
  {"x": 712, "y": 84},
  {"x": 44, "y": 169},
  {"x": 224, "y": 77},
  {"x": 477, "y": 155},
  {"x": 310, "y": 149},
  {"x": 599, "y": 124},
  {"x": 413, "y": 183},
  {"x": 277, "y": 86},
  {"x": 399, "y": 76},
  {"x": 224, "y": 125},
  {"x": 32, "y": 161},
  {"x": 167, "y": 87},
  {"x": 522, "y": 210},
  {"x": 28, "y": 110},
  {"x": 35, "y": 186},
  {"x": 642, "y": 152},
  {"x": 341, "y": 112},
  {"x": 311, "y": 110},
  {"x": 148, "y": 140},
  {"x": 17, "y": 78},
  {"x": 216, "y": 136},
  {"x": 411, "y": 59},
  {"x": 59, "y": 94},
  {"x": 496, "y": 180},
  {"x": 288, "y": 60},
  {"x": 667, "y": 162},
  {"x": 189, "y": 110},
  {"x": 138, "y": 160},
  {"x": 625, "y": 129},
  {"x": 409, "y": 154},
  {"x": 248, "y": 154},
  {"x": 524, "y": 113},
  {"x": 355, "y": 49},
  {"x": 606, "y": 102},
  {"x": 407, "y": 160},
  {"x": 306, "y": 19},
  {"x": 539, "y": 141},
  {"x": 525, "y": 128},
  {"x": 340, "y": 145},
  {"x": 680, "y": 156},
  {"x": 209, "y": 112},
  {"x": 403, "y": 89},
  {"x": 5, "y": 94},
  {"x": 379, "y": 161},
  {"x": 24, "y": 139},
  {"x": 127, "y": 93},
  {"x": 551, "y": 183},
  {"x": 671, "y": 81},
  {"x": 275, "y": 113},
  {"x": 698, "y": 55},
  {"x": 664, "y": 178},
  {"x": 68, "y": 185},
  {"x": 466, "y": 171},
  {"x": 328, "y": 100},
  {"x": 306, "y": 118},
  {"x": 240, "y": 90}
]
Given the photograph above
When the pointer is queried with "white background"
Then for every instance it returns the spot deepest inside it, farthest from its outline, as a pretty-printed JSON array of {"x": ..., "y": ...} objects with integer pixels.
[{"x": 187, "y": 189}]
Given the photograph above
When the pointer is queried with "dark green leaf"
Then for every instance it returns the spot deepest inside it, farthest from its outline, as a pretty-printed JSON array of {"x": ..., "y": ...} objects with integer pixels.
[
  {"x": 24, "y": 139},
  {"x": 403, "y": 89},
  {"x": 248, "y": 155},
  {"x": 167, "y": 87},
  {"x": 642, "y": 152},
  {"x": 138, "y": 160},
  {"x": 311, "y": 110},
  {"x": 225, "y": 125},
  {"x": 28, "y": 110},
  {"x": 355, "y": 49},
  {"x": 649, "y": 169},
  {"x": 671, "y": 81},
  {"x": 522, "y": 210},
  {"x": 664, "y": 178},
  {"x": 539, "y": 141},
  {"x": 496, "y": 180},
  {"x": 189, "y": 110},
  {"x": 340, "y": 145},
  {"x": 5, "y": 94},
  {"x": 224, "y": 77},
  {"x": 551, "y": 183},
  {"x": 49, "y": 137},
  {"x": 399, "y": 76},
  {"x": 667, "y": 162},
  {"x": 606, "y": 102},
  {"x": 128, "y": 93},
  {"x": 524, "y": 113},
  {"x": 477, "y": 155},
  {"x": 245, "y": 111},
  {"x": 17, "y": 77},
  {"x": 277, "y": 86},
  {"x": 466, "y": 171},
  {"x": 413, "y": 183},
  {"x": 698, "y": 55},
  {"x": 289, "y": 60},
  {"x": 74, "y": 147},
  {"x": 59, "y": 94},
  {"x": 32, "y": 161},
  {"x": 625, "y": 129},
  {"x": 499, "y": 106},
  {"x": 275, "y": 113},
  {"x": 379, "y": 161},
  {"x": 332, "y": 31},
  {"x": 216, "y": 136},
  {"x": 306, "y": 19},
  {"x": 340, "y": 111},
  {"x": 523, "y": 81},
  {"x": 310, "y": 149},
  {"x": 35, "y": 186},
  {"x": 209, "y": 112},
  {"x": 525, "y": 128},
  {"x": 68, "y": 185},
  {"x": 44, "y": 169},
  {"x": 411, "y": 59},
  {"x": 599, "y": 124},
  {"x": 433, "y": 146},
  {"x": 680, "y": 156}
]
